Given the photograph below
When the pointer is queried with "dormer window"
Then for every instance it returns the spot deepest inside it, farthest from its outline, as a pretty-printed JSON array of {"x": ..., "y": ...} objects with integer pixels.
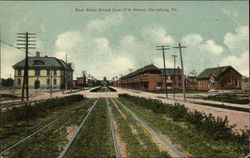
[{"x": 38, "y": 62}]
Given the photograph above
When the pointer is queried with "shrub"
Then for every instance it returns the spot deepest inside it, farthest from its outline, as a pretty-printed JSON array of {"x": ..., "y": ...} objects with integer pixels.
[
  {"x": 32, "y": 110},
  {"x": 214, "y": 128}
]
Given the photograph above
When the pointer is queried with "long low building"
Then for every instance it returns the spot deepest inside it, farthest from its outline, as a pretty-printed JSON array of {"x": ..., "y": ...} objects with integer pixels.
[{"x": 150, "y": 78}]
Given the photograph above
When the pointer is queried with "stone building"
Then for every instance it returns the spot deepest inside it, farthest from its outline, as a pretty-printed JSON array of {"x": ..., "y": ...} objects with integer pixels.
[{"x": 44, "y": 72}]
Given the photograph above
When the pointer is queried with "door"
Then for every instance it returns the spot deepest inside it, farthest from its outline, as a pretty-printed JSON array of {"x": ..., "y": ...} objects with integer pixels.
[{"x": 37, "y": 84}]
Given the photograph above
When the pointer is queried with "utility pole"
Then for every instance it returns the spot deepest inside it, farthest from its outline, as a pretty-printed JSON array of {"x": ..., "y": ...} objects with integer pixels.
[
  {"x": 50, "y": 74},
  {"x": 23, "y": 38},
  {"x": 83, "y": 76},
  {"x": 174, "y": 56},
  {"x": 89, "y": 81},
  {"x": 66, "y": 75},
  {"x": 117, "y": 81},
  {"x": 0, "y": 61},
  {"x": 182, "y": 67},
  {"x": 121, "y": 80},
  {"x": 163, "y": 48}
]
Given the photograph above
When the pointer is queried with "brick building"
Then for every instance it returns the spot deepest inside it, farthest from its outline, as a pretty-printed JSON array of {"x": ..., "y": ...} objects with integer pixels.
[
  {"x": 191, "y": 82},
  {"x": 215, "y": 78},
  {"x": 150, "y": 78},
  {"x": 79, "y": 82}
]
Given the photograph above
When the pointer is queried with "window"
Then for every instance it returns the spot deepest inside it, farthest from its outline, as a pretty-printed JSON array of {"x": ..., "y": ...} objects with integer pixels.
[
  {"x": 48, "y": 72},
  {"x": 54, "y": 81},
  {"x": 236, "y": 83},
  {"x": 179, "y": 78},
  {"x": 19, "y": 72},
  {"x": 38, "y": 62},
  {"x": 19, "y": 82},
  {"x": 230, "y": 81},
  {"x": 179, "y": 84},
  {"x": 37, "y": 72},
  {"x": 48, "y": 82},
  {"x": 55, "y": 72},
  {"x": 169, "y": 85},
  {"x": 158, "y": 84}
]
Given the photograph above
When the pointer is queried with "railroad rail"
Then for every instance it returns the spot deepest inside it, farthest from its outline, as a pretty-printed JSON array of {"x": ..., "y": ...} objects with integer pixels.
[
  {"x": 173, "y": 149},
  {"x": 66, "y": 147},
  {"x": 117, "y": 151},
  {"x": 39, "y": 130}
]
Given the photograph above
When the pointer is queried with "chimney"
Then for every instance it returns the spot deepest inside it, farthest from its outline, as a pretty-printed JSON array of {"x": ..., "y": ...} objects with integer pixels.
[{"x": 37, "y": 54}]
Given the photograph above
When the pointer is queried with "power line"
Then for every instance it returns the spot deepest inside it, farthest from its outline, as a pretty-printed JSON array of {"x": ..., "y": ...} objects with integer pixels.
[{"x": 12, "y": 45}]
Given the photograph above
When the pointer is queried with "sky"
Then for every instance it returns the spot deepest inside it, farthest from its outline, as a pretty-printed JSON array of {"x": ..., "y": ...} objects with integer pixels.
[{"x": 109, "y": 43}]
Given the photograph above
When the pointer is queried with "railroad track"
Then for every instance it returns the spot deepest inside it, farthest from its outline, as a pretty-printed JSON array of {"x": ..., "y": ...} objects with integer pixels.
[
  {"x": 5, "y": 151},
  {"x": 66, "y": 147},
  {"x": 117, "y": 151},
  {"x": 174, "y": 152}
]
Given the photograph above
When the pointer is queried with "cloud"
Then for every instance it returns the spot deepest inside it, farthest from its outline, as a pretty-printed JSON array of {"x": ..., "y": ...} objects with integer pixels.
[
  {"x": 101, "y": 25},
  {"x": 212, "y": 47},
  {"x": 196, "y": 42},
  {"x": 240, "y": 63},
  {"x": 157, "y": 34},
  {"x": 68, "y": 40},
  {"x": 192, "y": 39},
  {"x": 159, "y": 63},
  {"x": 239, "y": 39},
  {"x": 120, "y": 64},
  {"x": 10, "y": 56}
]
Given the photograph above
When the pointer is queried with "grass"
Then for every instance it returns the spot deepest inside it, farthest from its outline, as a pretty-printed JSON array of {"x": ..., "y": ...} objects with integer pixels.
[
  {"x": 95, "y": 138},
  {"x": 16, "y": 130},
  {"x": 193, "y": 142},
  {"x": 4, "y": 97},
  {"x": 223, "y": 106},
  {"x": 238, "y": 98},
  {"x": 137, "y": 144},
  {"x": 177, "y": 91},
  {"x": 101, "y": 89},
  {"x": 50, "y": 141}
]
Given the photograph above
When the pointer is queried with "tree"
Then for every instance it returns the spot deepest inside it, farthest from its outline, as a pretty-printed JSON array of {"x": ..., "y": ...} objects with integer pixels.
[
  {"x": 7, "y": 83},
  {"x": 193, "y": 73}
]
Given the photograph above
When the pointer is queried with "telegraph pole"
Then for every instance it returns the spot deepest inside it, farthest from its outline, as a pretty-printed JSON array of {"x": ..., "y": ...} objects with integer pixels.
[
  {"x": 0, "y": 61},
  {"x": 50, "y": 81},
  {"x": 174, "y": 56},
  {"x": 83, "y": 76},
  {"x": 23, "y": 38},
  {"x": 66, "y": 75},
  {"x": 182, "y": 67},
  {"x": 163, "y": 48}
]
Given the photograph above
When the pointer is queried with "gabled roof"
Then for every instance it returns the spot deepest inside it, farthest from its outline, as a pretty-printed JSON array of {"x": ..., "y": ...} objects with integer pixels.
[
  {"x": 171, "y": 71},
  {"x": 216, "y": 72},
  {"x": 148, "y": 68},
  {"x": 43, "y": 62}
]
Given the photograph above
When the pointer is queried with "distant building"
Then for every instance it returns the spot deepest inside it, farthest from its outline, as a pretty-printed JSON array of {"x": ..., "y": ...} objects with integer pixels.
[
  {"x": 191, "y": 82},
  {"x": 43, "y": 72},
  {"x": 214, "y": 78},
  {"x": 80, "y": 82},
  {"x": 174, "y": 78},
  {"x": 245, "y": 83},
  {"x": 149, "y": 78}
]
